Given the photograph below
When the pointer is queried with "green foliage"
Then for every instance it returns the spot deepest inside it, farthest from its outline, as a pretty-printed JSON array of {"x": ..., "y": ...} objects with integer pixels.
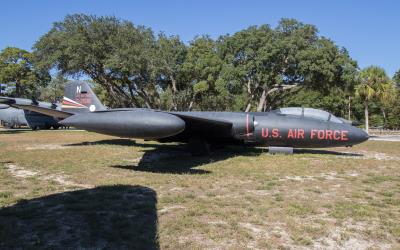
[
  {"x": 371, "y": 80},
  {"x": 54, "y": 91},
  {"x": 17, "y": 70},
  {"x": 396, "y": 78},
  {"x": 375, "y": 86},
  {"x": 263, "y": 60},
  {"x": 335, "y": 101},
  {"x": 256, "y": 69}
]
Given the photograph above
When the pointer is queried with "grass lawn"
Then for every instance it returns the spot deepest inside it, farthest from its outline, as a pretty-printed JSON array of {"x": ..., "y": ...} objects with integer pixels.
[{"x": 74, "y": 189}]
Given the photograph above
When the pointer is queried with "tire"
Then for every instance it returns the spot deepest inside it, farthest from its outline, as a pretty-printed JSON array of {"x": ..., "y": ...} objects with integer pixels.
[{"x": 8, "y": 125}]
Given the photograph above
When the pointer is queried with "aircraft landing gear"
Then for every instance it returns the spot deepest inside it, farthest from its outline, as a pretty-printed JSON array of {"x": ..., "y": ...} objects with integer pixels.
[
  {"x": 34, "y": 128},
  {"x": 9, "y": 125}
]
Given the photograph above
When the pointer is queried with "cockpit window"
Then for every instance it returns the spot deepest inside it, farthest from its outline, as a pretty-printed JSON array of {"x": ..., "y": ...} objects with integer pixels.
[
  {"x": 335, "y": 119},
  {"x": 291, "y": 111},
  {"x": 316, "y": 114},
  {"x": 311, "y": 113}
]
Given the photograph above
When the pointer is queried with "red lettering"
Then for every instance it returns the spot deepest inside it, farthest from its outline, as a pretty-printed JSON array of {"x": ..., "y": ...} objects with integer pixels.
[
  {"x": 300, "y": 133},
  {"x": 329, "y": 134},
  {"x": 321, "y": 134},
  {"x": 336, "y": 135},
  {"x": 264, "y": 132},
  {"x": 343, "y": 135},
  {"x": 313, "y": 132},
  {"x": 290, "y": 134},
  {"x": 275, "y": 132}
]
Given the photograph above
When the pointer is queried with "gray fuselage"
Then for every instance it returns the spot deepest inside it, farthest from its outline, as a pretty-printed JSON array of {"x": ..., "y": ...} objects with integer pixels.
[
  {"x": 13, "y": 117},
  {"x": 266, "y": 128}
]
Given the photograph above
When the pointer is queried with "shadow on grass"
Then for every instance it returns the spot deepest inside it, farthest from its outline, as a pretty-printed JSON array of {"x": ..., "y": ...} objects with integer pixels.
[
  {"x": 324, "y": 152},
  {"x": 117, "y": 142},
  {"x": 174, "y": 159},
  {"x": 14, "y": 131},
  {"x": 110, "y": 217}
]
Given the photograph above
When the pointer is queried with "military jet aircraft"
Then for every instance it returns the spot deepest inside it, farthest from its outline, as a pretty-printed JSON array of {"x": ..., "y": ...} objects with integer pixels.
[
  {"x": 281, "y": 130},
  {"x": 14, "y": 117}
]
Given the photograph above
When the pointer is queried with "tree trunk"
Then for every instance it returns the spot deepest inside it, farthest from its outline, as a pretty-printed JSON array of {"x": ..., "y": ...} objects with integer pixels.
[
  {"x": 349, "y": 117},
  {"x": 17, "y": 89},
  {"x": 248, "y": 107},
  {"x": 262, "y": 101},
  {"x": 190, "y": 105},
  {"x": 384, "y": 117},
  {"x": 366, "y": 116},
  {"x": 174, "y": 91}
]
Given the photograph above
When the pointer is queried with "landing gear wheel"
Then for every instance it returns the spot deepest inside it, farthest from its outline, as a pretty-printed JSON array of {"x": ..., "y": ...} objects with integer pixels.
[
  {"x": 198, "y": 147},
  {"x": 8, "y": 125},
  {"x": 34, "y": 128}
]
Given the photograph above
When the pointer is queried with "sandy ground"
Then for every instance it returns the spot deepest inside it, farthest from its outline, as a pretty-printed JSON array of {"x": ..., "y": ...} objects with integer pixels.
[{"x": 81, "y": 190}]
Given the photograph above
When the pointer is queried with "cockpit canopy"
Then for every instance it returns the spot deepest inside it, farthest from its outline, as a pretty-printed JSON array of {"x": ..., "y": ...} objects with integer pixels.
[{"x": 310, "y": 113}]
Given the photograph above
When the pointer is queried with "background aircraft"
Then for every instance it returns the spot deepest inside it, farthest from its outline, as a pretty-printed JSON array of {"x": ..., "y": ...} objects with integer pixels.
[
  {"x": 282, "y": 129},
  {"x": 14, "y": 117}
]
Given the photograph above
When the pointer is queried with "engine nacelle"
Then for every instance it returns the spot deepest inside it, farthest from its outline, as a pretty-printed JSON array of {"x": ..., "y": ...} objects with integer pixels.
[
  {"x": 143, "y": 124},
  {"x": 4, "y": 106}
]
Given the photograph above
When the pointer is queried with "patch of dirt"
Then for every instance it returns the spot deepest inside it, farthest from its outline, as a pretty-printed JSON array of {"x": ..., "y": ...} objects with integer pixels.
[
  {"x": 326, "y": 176},
  {"x": 46, "y": 147},
  {"x": 262, "y": 192},
  {"x": 348, "y": 236},
  {"x": 20, "y": 172},
  {"x": 170, "y": 208},
  {"x": 218, "y": 222},
  {"x": 63, "y": 180},
  {"x": 205, "y": 242},
  {"x": 368, "y": 155}
]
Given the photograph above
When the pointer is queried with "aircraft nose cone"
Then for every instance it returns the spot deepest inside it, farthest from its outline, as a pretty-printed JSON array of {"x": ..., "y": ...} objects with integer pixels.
[
  {"x": 365, "y": 136},
  {"x": 360, "y": 135}
]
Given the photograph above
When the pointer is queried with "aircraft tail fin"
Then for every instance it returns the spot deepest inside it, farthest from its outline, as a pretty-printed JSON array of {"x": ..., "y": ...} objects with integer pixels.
[{"x": 80, "y": 98}]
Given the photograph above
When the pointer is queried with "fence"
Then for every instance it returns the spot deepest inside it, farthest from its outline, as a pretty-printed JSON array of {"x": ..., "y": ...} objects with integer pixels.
[{"x": 381, "y": 131}]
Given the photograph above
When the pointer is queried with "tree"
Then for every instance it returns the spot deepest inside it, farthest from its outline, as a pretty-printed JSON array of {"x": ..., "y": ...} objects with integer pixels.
[
  {"x": 115, "y": 54},
  {"x": 202, "y": 69},
  {"x": 372, "y": 81},
  {"x": 396, "y": 78},
  {"x": 253, "y": 69},
  {"x": 386, "y": 94},
  {"x": 268, "y": 61},
  {"x": 170, "y": 56},
  {"x": 17, "y": 69},
  {"x": 54, "y": 90}
]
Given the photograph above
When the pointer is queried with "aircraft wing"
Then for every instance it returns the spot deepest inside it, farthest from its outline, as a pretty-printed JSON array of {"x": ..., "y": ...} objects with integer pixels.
[
  {"x": 31, "y": 105},
  {"x": 7, "y": 100},
  {"x": 196, "y": 122},
  {"x": 42, "y": 110}
]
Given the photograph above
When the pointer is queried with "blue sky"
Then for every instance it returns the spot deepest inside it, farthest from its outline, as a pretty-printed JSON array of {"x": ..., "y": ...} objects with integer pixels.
[{"x": 368, "y": 29}]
